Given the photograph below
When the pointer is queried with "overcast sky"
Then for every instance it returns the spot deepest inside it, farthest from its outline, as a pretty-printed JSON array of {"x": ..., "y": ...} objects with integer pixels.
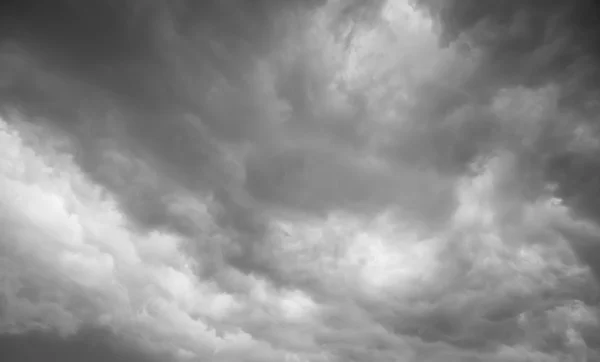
[{"x": 299, "y": 181}]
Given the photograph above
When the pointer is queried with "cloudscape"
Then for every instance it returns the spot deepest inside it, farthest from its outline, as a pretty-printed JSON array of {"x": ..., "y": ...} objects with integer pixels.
[{"x": 299, "y": 181}]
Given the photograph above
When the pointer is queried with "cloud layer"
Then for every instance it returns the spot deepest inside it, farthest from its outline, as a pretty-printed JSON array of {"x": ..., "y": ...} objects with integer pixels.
[{"x": 299, "y": 181}]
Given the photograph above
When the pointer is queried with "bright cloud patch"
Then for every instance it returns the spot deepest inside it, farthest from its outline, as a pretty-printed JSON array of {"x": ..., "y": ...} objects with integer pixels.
[{"x": 68, "y": 234}]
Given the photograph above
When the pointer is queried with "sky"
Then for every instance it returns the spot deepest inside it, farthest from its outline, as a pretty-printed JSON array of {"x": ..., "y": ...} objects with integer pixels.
[{"x": 299, "y": 181}]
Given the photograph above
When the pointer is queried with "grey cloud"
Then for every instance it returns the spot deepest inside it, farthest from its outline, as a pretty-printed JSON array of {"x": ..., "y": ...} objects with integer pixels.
[
  {"x": 535, "y": 46},
  {"x": 446, "y": 139},
  {"x": 171, "y": 86},
  {"x": 476, "y": 306},
  {"x": 525, "y": 43},
  {"x": 118, "y": 77},
  {"x": 90, "y": 344},
  {"x": 585, "y": 243},
  {"x": 164, "y": 98},
  {"x": 532, "y": 45},
  {"x": 316, "y": 178}
]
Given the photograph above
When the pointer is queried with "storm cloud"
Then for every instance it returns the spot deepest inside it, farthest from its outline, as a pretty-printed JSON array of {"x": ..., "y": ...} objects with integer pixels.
[{"x": 299, "y": 180}]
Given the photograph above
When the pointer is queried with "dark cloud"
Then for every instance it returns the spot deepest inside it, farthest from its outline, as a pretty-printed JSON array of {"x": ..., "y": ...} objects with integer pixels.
[
  {"x": 449, "y": 138},
  {"x": 123, "y": 78},
  {"x": 218, "y": 125},
  {"x": 159, "y": 97},
  {"x": 532, "y": 45},
  {"x": 90, "y": 344},
  {"x": 317, "y": 179},
  {"x": 522, "y": 42}
]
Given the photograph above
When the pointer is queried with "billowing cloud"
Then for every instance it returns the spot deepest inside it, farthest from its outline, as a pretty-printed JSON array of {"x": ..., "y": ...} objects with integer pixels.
[
  {"x": 299, "y": 181},
  {"x": 537, "y": 66}
]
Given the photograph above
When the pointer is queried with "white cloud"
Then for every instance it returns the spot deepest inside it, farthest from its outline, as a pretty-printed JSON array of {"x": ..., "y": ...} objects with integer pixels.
[{"x": 69, "y": 233}]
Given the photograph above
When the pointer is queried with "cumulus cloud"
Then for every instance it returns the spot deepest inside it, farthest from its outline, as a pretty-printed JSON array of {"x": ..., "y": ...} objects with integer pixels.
[{"x": 299, "y": 181}]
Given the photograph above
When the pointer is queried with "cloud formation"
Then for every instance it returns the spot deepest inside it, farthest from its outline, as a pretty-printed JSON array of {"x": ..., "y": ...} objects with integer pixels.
[{"x": 299, "y": 181}]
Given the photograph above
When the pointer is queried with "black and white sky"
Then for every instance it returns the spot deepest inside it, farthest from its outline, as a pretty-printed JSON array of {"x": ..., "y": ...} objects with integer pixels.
[{"x": 299, "y": 181}]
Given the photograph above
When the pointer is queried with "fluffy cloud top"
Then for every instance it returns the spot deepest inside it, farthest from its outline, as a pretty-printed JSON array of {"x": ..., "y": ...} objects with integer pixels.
[{"x": 304, "y": 181}]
